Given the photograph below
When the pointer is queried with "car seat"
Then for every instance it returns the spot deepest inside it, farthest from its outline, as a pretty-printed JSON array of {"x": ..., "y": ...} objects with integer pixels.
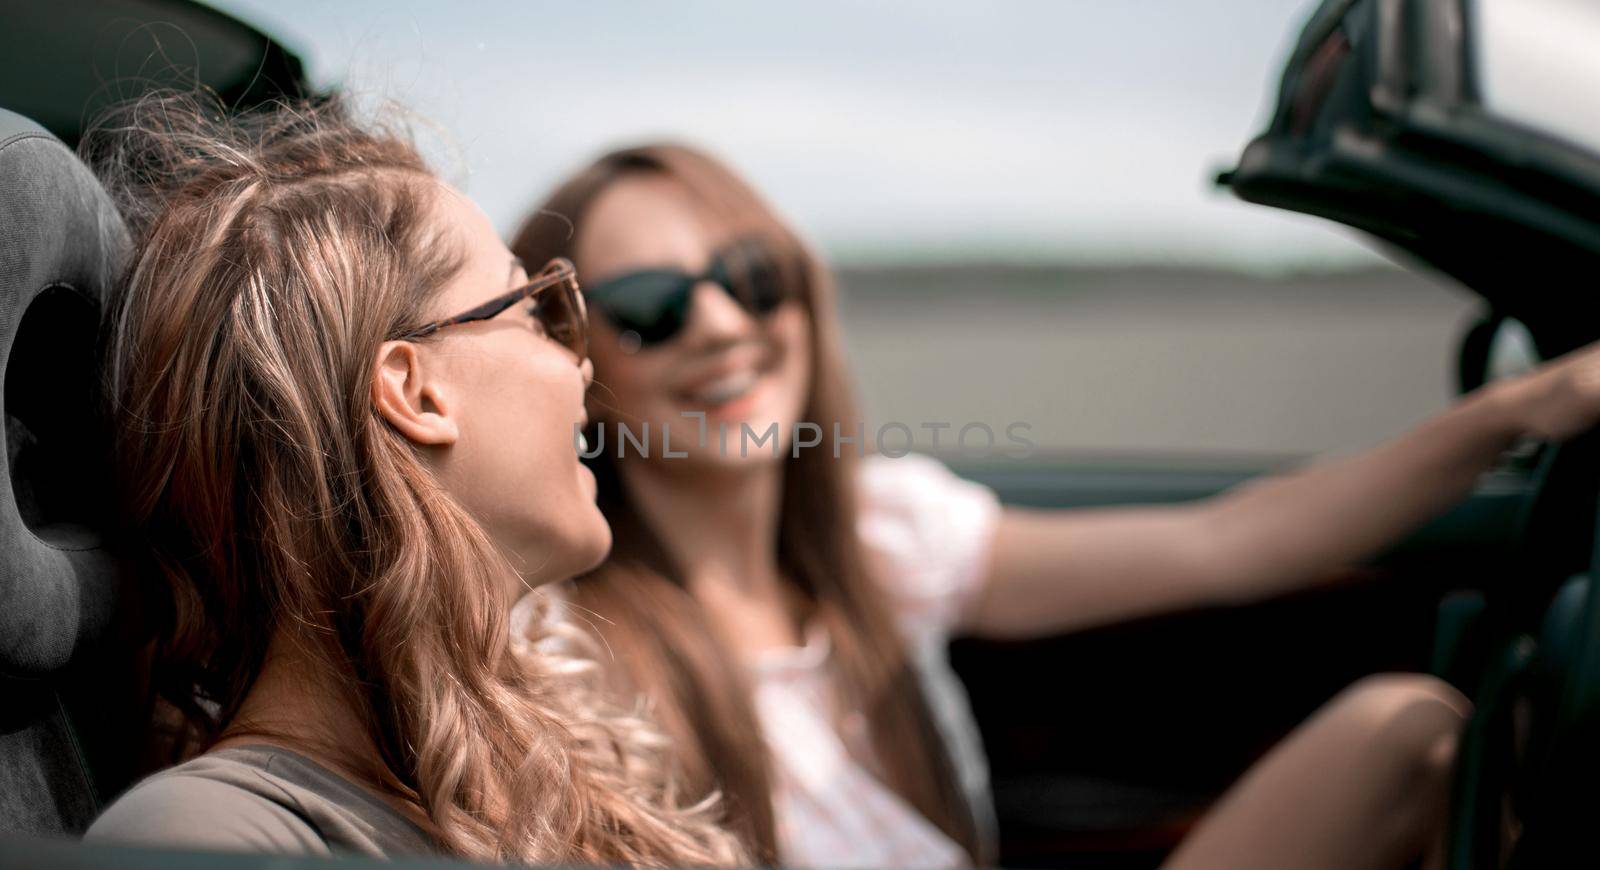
[{"x": 71, "y": 693}]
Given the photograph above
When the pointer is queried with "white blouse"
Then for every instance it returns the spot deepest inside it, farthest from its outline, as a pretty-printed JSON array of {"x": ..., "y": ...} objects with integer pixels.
[{"x": 929, "y": 533}]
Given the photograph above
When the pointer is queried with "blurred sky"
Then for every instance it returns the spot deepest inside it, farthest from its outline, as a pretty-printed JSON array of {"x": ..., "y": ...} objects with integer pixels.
[{"x": 889, "y": 131}]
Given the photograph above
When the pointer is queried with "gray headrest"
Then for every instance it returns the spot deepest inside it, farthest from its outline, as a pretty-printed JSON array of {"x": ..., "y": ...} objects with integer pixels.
[{"x": 61, "y": 246}]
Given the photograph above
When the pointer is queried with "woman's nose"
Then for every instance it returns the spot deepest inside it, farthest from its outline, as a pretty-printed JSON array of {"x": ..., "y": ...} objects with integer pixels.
[
  {"x": 714, "y": 315},
  {"x": 587, "y": 369}
]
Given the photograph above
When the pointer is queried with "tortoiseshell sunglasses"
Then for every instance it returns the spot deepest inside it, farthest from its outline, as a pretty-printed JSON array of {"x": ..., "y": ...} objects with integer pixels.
[{"x": 557, "y": 306}]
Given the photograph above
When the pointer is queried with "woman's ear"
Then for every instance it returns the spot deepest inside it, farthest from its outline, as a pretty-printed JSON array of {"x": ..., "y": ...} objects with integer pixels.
[{"x": 409, "y": 398}]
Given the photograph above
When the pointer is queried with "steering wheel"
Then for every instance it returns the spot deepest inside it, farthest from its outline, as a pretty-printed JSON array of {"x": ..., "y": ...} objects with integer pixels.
[{"x": 1527, "y": 784}]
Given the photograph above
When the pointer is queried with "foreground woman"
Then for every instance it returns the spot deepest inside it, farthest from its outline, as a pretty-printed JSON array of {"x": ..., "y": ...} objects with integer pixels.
[
  {"x": 344, "y": 414},
  {"x": 786, "y": 606}
]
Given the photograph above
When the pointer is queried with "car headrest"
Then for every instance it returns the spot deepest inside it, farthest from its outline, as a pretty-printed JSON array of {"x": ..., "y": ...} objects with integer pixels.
[
  {"x": 75, "y": 702},
  {"x": 61, "y": 245}
]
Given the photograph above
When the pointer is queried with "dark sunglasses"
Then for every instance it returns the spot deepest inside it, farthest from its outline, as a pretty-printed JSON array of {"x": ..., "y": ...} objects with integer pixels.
[
  {"x": 557, "y": 306},
  {"x": 654, "y": 303}
]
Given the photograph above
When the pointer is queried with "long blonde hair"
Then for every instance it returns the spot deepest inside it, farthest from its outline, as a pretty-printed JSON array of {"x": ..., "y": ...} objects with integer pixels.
[
  {"x": 664, "y": 639},
  {"x": 276, "y": 252}
]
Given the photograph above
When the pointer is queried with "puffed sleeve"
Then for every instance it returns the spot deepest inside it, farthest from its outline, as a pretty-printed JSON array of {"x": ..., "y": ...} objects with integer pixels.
[{"x": 929, "y": 534}]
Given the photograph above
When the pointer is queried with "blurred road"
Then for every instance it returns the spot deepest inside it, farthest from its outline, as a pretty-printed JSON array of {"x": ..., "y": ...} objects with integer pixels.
[{"x": 1153, "y": 359}]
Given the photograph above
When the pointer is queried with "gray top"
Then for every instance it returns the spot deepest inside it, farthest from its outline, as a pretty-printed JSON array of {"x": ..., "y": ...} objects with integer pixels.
[{"x": 258, "y": 798}]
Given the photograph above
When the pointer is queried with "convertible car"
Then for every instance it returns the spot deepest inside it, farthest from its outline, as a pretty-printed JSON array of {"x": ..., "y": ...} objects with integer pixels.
[{"x": 1460, "y": 135}]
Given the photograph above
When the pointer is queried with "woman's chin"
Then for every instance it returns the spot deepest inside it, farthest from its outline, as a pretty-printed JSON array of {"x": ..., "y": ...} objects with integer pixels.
[
  {"x": 599, "y": 545},
  {"x": 749, "y": 441},
  {"x": 581, "y": 547},
  {"x": 589, "y": 543}
]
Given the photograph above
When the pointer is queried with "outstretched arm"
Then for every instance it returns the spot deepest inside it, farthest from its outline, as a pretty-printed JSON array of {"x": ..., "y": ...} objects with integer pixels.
[{"x": 1052, "y": 571}]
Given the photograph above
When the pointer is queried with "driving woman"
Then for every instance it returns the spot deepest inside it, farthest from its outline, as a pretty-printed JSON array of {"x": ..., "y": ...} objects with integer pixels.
[
  {"x": 343, "y": 414},
  {"x": 785, "y": 606}
]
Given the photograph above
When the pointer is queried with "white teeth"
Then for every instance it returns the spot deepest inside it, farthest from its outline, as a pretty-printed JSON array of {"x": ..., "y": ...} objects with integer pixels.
[
  {"x": 583, "y": 443},
  {"x": 726, "y": 389}
]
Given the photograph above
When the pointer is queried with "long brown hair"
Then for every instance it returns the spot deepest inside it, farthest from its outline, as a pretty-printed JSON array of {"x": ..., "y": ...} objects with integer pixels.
[
  {"x": 664, "y": 637},
  {"x": 267, "y": 496}
]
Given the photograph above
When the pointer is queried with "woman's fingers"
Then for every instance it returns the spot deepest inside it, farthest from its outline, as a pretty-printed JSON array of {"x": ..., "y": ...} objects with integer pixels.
[{"x": 1561, "y": 399}]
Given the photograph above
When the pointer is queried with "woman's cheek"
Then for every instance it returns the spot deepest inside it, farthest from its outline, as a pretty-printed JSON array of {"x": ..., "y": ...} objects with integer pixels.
[
  {"x": 632, "y": 390},
  {"x": 795, "y": 331}
]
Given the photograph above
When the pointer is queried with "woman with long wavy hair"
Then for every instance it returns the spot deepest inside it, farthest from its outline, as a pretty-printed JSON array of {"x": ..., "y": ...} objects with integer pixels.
[
  {"x": 784, "y": 604},
  {"x": 342, "y": 413}
]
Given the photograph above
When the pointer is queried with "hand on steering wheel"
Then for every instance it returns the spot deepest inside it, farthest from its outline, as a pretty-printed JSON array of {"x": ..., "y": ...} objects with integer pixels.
[{"x": 1560, "y": 399}]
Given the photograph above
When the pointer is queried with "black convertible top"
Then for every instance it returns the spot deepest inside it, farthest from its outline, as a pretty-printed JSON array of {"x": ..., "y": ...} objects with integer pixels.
[
  {"x": 59, "y": 69},
  {"x": 1386, "y": 120}
]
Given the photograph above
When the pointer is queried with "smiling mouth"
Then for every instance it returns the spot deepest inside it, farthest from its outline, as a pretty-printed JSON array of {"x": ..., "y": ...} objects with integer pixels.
[{"x": 725, "y": 389}]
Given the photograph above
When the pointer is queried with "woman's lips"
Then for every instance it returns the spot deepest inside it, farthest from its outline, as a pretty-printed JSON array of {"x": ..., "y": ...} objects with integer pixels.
[
  {"x": 732, "y": 389},
  {"x": 732, "y": 405},
  {"x": 737, "y": 410},
  {"x": 726, "y": 373},
  {"x": 725, "y": 389}
]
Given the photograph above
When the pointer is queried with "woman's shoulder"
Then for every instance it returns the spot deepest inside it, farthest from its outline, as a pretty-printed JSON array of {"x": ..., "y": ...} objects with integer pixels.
[
  {"x": 929, "y": 532},
  {"x": 214, "y": 802},
  {"x": 914, "y": 482},
  {"x": 257, "y": 798}
]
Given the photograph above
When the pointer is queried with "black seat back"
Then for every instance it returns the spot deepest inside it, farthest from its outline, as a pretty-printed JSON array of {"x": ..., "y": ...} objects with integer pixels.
[{"x": 70, "y": 697}]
